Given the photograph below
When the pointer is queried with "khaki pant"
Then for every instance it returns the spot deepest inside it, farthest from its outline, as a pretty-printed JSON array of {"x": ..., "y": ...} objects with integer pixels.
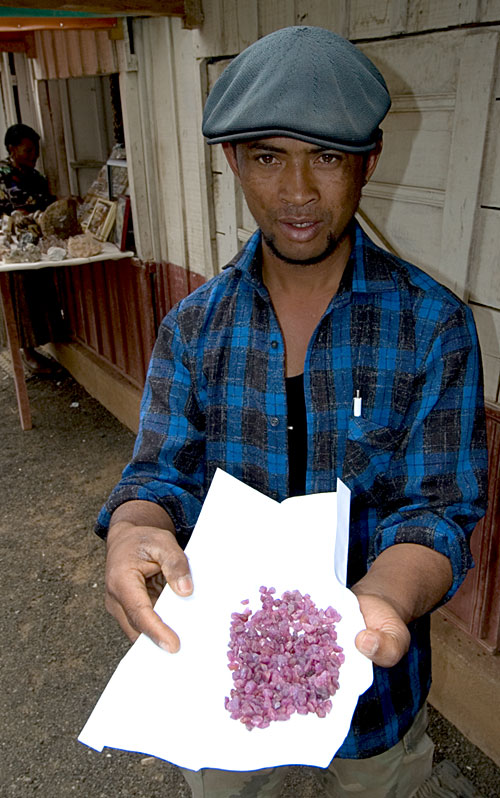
[{"x": 397, "y": 773}]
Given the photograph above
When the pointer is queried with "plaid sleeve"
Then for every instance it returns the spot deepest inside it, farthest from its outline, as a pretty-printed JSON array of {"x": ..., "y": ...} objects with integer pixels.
[
  {"x": 167, "y": 465},
  {"x": 443, "y": 492}
]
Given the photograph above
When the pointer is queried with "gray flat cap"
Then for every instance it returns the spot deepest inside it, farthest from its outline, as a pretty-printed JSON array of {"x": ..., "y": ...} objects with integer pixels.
[{"x": 304, "y": 82}]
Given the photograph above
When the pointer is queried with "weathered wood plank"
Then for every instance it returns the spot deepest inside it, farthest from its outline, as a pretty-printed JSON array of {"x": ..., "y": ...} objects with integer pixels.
[
  {"x": 488, "y": 329},
  {"x": 424, "y": 65},
  {"x": 275, "y": 14},
  {"x": 334, "y": 16},
  {"x": 412, "y": 230},
  {"x": 223, "y": 192},
  {"x": 194, "y": 168},
  {"x": 476, "y": 82},
  {"x": 7, "y": 92},
  {"x": 168, "y": 225},
  {"x": 228, "y": 27},
  {"x": 369, "y": 18},
  {"x": 416, "y": 147},
  {"x": 489, "y": 11},
  {"x": 138, "y": 167},
  {"x": 427, "y": 14},
  {"x": 55, "y": 165},
  {"x": 248, "y": 23},
  {"x": 484, "y": 274},
  {"x": 490, "y": 184}
]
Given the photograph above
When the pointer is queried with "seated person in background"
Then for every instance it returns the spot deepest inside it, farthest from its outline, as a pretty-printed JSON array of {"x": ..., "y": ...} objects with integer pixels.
[{"x": 34, "y": 295}]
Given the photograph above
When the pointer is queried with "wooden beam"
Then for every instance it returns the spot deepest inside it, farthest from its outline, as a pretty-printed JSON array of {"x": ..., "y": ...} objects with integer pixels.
[
  {"x": 22, "y": 24},
  {"x": 164, "y": 8}
]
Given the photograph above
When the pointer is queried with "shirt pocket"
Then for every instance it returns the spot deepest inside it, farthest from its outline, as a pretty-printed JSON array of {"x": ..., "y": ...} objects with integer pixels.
[{"x": 371, "y": 450}]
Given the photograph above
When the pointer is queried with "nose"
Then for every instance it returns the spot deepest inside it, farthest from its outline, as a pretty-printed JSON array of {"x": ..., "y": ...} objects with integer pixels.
[{"x": 298, "y": 186}]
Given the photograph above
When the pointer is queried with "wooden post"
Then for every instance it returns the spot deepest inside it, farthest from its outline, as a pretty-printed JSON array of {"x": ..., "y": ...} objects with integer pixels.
[{"x": 23, "y": 401}]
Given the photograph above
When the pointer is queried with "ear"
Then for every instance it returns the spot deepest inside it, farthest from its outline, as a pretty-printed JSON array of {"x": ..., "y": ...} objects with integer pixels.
[
  {"x": 372, "y": 160},
  {"x": 230, "y": 152}
]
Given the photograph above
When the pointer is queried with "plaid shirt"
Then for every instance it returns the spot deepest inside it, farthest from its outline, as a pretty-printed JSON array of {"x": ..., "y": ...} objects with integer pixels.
[{"x": 415, "y": 461}]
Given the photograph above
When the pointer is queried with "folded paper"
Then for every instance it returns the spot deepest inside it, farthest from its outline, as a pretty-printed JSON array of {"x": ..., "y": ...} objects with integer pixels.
[{"x": 172, "y": 705}]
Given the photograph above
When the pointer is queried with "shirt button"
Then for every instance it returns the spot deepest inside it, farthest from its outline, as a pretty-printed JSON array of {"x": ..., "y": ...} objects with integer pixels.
[
  {"x": 274, "y": 344},
  {"x": 274, "y": 421}
]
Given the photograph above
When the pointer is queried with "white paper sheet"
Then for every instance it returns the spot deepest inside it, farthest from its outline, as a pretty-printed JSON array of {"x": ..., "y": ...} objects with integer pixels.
[{"x": 172, "y": 705}]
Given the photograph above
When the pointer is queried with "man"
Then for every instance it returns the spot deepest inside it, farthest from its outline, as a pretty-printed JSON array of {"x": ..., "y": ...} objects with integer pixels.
[{"x": 308, "y": 316}]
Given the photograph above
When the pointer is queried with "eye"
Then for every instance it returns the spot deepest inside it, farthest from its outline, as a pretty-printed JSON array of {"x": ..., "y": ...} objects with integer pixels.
[
  {"x": 329, "y": 157},
  {"x": 266, "y": 158}
]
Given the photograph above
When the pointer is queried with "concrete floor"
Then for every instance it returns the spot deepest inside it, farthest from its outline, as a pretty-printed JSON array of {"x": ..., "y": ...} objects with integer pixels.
[{"x": 466, "y": 686}]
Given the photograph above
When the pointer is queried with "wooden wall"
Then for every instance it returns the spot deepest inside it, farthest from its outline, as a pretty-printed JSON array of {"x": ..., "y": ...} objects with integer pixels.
[{"x": 435, "y": 196}]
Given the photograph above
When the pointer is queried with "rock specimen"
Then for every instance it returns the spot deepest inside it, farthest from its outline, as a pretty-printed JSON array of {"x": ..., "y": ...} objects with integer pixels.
[
  {"x": 83, "y": 246},
  {"x": 60, "y": 219}
]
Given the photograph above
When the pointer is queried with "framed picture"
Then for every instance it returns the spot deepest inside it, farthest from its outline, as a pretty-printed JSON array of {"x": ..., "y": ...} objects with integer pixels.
[
  {"x": 122, "y": 221},
  {"x": 117, "y": 177},
  {"x": 102, "y": 219}
]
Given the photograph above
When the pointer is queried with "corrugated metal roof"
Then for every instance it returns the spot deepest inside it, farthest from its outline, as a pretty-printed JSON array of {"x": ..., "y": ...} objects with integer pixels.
[{"x": 74, "y": 54}]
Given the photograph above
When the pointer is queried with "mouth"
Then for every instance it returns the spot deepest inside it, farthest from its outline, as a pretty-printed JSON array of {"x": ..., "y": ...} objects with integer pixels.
[{"x": 299, "y": 229}]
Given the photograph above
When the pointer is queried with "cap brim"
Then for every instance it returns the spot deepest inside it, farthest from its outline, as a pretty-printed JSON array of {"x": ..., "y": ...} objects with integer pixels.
[{"x": 253, "y": 135}]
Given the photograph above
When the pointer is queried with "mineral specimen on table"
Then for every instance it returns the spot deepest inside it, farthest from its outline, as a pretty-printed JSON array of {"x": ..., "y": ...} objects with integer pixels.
[
  {"x": 28, "y": 254},
  {"x": 84, "y": 246},
  {"x": 53, "y": 241},
  {"x": 56, "y": 253},
  {"x": 60, "y": 219},
  {"x": 26, "y": 238}
]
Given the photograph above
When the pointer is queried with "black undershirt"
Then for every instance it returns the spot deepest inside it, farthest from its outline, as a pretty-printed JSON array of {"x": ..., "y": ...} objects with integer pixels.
[{"x": 297, "y": 435}]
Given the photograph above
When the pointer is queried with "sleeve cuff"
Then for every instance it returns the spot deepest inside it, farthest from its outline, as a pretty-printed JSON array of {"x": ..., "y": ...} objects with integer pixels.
[{"x": 436, "y": 534}]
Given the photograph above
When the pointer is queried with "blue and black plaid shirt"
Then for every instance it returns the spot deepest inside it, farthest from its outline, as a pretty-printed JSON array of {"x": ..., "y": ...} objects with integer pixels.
[{"x": 415, "y": 461}]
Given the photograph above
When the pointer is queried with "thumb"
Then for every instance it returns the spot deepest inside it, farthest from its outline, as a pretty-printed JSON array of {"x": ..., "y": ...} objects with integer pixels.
[
  {"x": 382, "y": 647},
  {"x": 175, "y": 568}
]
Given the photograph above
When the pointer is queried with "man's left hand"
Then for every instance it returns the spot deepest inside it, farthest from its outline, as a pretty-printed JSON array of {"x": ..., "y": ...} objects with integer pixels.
[
  {"x": 405, "y": 581},
  {"x": 386, "y": 638}
]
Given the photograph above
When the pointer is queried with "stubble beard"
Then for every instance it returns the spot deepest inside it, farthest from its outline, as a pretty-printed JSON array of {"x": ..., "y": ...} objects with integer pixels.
[{"x": 331, "y": 245}]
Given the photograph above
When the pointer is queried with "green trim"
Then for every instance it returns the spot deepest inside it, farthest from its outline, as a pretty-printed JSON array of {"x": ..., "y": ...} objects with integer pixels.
[{"x": 9, "y": 11}]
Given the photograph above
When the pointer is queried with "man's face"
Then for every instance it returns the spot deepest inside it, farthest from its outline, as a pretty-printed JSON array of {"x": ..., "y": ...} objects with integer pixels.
[{"x": 301, "y": 196}]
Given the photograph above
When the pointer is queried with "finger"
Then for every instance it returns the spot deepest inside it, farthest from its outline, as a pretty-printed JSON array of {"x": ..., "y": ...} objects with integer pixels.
[
  {"x": 133, "y": 609},
  {"x": 383, "y": 648},
  {"x": 139, "y": 617},
  {"x": 175, "y": 568},
  {"x": 143, "y": 617},
  {"x": 118, "y": 614}
]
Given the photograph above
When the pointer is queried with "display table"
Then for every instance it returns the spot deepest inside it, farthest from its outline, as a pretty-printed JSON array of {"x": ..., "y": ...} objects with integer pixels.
[{"x": 109, "y": 252}]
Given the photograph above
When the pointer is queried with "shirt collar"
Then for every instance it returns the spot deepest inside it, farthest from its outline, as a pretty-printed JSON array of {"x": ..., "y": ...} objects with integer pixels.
[{"x": 371, "y": 267}]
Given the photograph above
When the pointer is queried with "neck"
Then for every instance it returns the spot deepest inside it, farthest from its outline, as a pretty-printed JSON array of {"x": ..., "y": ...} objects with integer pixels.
[{"x": 305, "y": 280}]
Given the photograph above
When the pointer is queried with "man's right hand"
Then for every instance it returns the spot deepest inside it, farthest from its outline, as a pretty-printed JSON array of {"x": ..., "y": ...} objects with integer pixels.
[{"x": 140, "y": 559}]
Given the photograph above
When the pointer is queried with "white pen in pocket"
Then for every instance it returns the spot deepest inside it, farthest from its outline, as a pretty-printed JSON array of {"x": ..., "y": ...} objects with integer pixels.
[{"x": 357, "y": 403}]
